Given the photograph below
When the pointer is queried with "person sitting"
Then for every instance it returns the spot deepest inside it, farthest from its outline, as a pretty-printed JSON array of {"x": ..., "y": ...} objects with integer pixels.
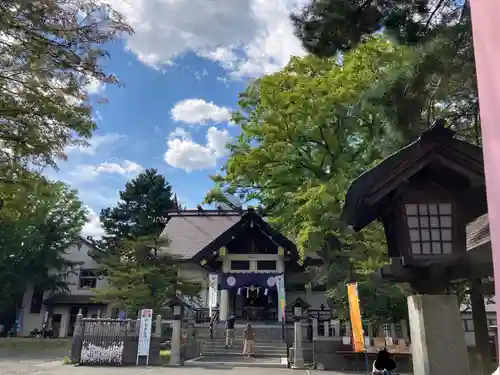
[{"x": 384, "y": 364}]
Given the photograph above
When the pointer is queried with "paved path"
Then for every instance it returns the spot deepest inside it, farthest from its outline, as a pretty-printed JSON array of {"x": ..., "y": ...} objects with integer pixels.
[{"x": 48, "y": 367}]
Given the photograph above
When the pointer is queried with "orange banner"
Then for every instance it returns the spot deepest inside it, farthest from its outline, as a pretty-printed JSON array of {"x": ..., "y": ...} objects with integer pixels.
[{"x": 358, "y": 343}]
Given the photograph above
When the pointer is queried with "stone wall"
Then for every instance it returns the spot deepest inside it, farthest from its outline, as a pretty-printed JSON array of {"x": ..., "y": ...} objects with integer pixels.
[{"x": 334, "y": 356}]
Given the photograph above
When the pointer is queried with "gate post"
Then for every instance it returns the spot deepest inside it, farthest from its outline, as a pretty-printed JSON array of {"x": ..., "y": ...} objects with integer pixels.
[{"x": 77, "y": 342}]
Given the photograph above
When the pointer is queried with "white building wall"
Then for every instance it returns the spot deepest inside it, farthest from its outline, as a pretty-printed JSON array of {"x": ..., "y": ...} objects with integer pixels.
[{"x": 75, "y": 253}]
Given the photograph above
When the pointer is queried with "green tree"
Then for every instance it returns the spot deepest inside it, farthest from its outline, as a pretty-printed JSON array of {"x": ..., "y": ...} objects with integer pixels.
[
  {"x": 37, "y": 227},
  {"x": 141, "y": 276},
  {"x": 50, "y": 52},
  {"x": 132, "y": 256},
  {"x": 439, "y": 81},
  {"x": 307, "y": 131},
  {"x": 143, "y": 206}
]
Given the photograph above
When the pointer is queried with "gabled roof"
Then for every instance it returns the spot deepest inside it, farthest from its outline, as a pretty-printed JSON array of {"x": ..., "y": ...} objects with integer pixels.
[
  {"x": 195, "y": 234},
  {"x": 437, "y": 144}
]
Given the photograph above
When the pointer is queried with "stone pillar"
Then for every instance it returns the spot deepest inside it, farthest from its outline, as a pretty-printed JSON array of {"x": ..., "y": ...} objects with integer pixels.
[
  {"x": 77, "y": 342},
  {"x": 438, "y": 344},
  {"x": 370, "y": 331},
  {"x": 326, "y": 327},
  {"x": 224, "y": 305},
  {"x": 63, "y": 329},
  {"x": 158, "y": 325},
  {"x": 315, "y": 328},
  {"x": 404, "y": 330},
  {"x": 175, "y": 349},
  {"x": 298, "y": 352},
  {"x": 336, "y": 327}
]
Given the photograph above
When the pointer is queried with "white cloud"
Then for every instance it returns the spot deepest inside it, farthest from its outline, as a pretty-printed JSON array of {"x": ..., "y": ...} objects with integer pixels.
[
  {"x": 93, "y": 226},
  {"x": 247, "y": 37},
  {"x": 179, "y": 133},
  {"x": 96, "y": 142},
  {"x": 198, "y": 111},
  {"x": 86, "y": 172},
  {"x": 186, "y": 154}
]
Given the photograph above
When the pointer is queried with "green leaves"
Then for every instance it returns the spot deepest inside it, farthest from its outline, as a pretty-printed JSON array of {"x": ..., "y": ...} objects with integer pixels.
[
  {"x": 39, "y": 223},
  {"x": 307, "y": 132},
  {"x": 50, "y": 55},
  {"x": 134, "y": 259}
]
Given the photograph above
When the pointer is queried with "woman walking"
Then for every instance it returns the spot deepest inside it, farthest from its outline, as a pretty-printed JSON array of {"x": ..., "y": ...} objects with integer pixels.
[{"x": 248, "y": 340}]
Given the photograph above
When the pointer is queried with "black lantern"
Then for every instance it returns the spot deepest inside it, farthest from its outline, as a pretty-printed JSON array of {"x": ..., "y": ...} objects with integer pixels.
[{"x": 424, "y": 195}]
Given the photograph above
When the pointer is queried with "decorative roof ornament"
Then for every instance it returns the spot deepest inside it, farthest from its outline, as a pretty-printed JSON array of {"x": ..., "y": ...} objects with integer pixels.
[{"x": 438, "y": 130}]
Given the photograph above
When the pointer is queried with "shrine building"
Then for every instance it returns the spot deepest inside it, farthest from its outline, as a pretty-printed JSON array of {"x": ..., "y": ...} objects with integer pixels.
[{"x": 246, "y": 254}]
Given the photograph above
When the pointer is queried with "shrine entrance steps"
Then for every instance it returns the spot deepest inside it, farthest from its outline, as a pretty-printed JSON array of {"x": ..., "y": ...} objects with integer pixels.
[{"x": 268, "y": 342}]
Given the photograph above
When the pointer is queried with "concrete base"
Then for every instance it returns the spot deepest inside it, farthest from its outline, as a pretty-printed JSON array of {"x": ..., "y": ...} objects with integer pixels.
[{"x": 437, "y": 338}]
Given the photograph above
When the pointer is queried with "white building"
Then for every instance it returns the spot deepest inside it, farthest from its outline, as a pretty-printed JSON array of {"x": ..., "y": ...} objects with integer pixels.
[
  {"x": 59, "y": 308},
  {"x": 238, "y": 246}
]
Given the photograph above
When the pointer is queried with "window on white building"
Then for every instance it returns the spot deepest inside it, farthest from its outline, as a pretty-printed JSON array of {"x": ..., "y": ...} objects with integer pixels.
[
  {"x": 36, "y": 302},
  {"x": 88, "y": 279}
]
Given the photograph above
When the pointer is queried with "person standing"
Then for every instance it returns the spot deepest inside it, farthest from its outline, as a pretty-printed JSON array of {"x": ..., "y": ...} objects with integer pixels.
[
  {"x": 230, "y": 330},
  {"x": 248, "y": 340}
]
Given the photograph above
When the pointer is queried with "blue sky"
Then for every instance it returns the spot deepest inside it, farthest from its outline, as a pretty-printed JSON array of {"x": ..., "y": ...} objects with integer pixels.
[{"x": 182, "y": 71}]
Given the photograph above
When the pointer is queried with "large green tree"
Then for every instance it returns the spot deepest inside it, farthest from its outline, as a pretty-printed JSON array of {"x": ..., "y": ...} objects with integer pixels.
[
  {"x": 133, "y": 257},
  {"x": 141, "y": 275},
  {"x": 51, "y": 52},
  {"x": 143, "y": 206},
  {"x": 306, "y": 133},
  {"x": 439, "y": 81},
  {"x": 37, "y": 227}
]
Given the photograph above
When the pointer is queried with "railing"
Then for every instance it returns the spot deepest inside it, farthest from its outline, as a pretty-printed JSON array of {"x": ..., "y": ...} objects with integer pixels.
[{"x": 213, "y": 323}]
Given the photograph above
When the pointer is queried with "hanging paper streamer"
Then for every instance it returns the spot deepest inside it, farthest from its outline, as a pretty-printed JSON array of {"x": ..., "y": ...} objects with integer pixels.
[
  {"x": 355, "y": 313},
  {"x": 213, "y": 283},
  {"x": 265, "y": 292},
  {"x": 239, "y": 291}
]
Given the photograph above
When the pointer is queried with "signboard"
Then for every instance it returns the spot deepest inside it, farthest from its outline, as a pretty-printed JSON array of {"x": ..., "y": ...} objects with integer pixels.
[
  {"x": 280, "y": 286},
  {"x": 145, "y": 335},
  {"x": 213, "y": 289},
  {"x": 355, "y": 313}
]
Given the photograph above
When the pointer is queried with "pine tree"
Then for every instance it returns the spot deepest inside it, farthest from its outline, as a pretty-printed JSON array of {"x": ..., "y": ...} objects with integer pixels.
[{"x": 133, "y": 258}]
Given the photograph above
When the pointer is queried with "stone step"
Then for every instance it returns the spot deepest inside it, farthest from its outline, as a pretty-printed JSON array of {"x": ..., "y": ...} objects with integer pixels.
[
  {"x": 240, "y": 347},
  {"x": 257, "y": 353}
]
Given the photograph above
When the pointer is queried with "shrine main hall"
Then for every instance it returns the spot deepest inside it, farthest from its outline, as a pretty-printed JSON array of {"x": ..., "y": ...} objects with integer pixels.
[{"x": 246, "y": 254}]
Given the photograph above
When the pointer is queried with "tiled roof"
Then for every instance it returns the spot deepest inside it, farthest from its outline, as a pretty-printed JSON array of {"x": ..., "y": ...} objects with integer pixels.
[
  {"x": 478, "y": 232},
  {"x": 190, "y": 231}
]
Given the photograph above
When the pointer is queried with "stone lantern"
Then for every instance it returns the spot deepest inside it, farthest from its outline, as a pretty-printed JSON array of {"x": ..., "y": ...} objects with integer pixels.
[
  {"x": 299, "y": 310},
  {"x": 178, "y": 307},
  {"x": 424, "y": 195}
]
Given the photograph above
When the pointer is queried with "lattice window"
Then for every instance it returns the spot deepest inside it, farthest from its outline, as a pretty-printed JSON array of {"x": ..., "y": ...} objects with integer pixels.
[
  {"x": 431, "y": 228},
  {"x": 88, "y": 279}
]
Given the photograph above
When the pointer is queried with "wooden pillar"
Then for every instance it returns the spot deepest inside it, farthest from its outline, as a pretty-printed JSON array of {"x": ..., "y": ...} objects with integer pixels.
[{"x": 480, "y": 328}]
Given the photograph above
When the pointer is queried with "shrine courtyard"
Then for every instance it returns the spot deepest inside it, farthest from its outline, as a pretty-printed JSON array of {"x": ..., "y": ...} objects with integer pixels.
[{"x": 40, "y": 367}]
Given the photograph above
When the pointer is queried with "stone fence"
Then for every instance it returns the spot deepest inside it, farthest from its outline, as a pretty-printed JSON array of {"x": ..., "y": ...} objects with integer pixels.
[{"x": 115, "y": 342}]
